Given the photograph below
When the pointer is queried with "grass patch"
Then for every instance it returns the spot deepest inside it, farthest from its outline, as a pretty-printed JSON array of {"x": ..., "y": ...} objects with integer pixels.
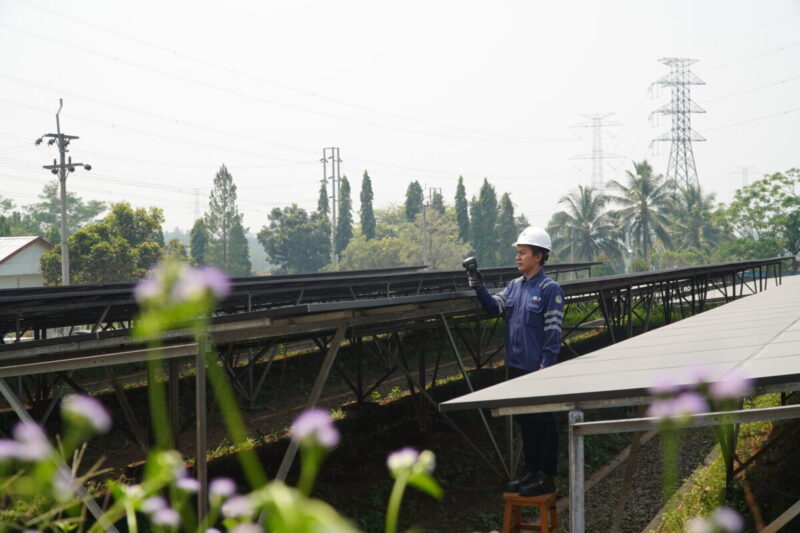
[{"x": 705, "y": 489}]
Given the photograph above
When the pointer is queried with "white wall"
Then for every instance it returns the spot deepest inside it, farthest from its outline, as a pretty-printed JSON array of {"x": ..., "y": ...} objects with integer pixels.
[
  {"x": 22, "y": 270},
  {"x": 21, "y": 280}
]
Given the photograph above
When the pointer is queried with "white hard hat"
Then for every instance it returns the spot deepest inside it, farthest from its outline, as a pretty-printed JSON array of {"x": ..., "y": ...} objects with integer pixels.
[{"x": 533, "y": 236}]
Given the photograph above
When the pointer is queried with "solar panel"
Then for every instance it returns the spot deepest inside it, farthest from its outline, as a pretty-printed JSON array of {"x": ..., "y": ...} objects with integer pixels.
[{"x": 759, "y": 335}]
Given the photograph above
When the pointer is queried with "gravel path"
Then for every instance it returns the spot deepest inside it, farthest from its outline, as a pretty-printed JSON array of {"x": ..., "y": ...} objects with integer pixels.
[{"x": 645, "y": 495}]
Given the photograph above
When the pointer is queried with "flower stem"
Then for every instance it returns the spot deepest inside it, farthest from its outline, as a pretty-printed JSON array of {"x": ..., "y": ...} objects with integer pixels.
[
  {"x": 669, "y": 447},
  {"x": 395, "y": 499}
]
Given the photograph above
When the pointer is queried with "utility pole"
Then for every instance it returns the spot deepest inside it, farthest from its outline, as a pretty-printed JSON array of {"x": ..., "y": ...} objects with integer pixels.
[
  {"x": 60, "y": 169},
  {"x": 597, "y": 122},
  {"x": 681, "y": 168},
  {"x": 332, "y": 154},
  {"x": 426, "y": 241},
  {"x": 196, "y": 193}
]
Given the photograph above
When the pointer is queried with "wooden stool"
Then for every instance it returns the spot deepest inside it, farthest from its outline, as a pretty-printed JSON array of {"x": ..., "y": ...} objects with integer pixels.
[{"x": 548, "y": 515}]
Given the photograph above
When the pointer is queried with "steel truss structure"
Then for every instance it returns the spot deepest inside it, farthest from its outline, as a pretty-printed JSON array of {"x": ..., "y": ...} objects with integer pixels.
[{"x": 374, "y": 314}]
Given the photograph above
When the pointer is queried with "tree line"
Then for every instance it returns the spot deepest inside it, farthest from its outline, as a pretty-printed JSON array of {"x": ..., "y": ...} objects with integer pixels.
[
  {"x": 645, "y": 222},
  {"x": 639, "y": 222}
]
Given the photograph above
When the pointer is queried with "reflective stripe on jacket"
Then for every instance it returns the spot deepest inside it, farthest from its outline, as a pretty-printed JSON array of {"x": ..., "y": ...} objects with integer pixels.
[{"x": 533, "y": 310}]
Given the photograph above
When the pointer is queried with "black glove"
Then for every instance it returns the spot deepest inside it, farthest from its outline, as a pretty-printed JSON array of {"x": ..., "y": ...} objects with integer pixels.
[{"x": 475, "y": 279}]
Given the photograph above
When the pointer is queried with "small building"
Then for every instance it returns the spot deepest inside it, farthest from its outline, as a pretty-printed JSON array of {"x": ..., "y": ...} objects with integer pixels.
[{"x": 19, "y": 261}]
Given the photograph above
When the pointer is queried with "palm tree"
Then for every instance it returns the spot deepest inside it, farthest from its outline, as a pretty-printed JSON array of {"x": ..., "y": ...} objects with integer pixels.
[
  {"x": 643, "y": 202},
  {"x": 691, "y": 219},
  {"x": 584, "y": 229}
]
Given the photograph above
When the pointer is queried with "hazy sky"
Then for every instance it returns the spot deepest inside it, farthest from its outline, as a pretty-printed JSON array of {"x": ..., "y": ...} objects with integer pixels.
[{"x": 162, "y": 93}]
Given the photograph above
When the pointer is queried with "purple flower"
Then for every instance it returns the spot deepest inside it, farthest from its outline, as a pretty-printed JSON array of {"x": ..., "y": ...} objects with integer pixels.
[
  {"x": 216, "y": 281},
  {"x": 733, "y": 385},
  {"x": 153, "y": 504},
  {"x": 166, "y": 517},
  {"x": 147, "y": 289},
  {"x": 222, "y": 487},
  {"x": 698, "y": 374},
  {"x": 195, "y": 283},
  {"x": 685, "y": 404},
  {"x": 9, "y": 449},
  {"x": 80, "y": 407},
  {"x": 316, "y": 424},
  {"x": 660, "y": 409},
  {"x": 213, "y": 530},
  {"x": 33, "y": 443},
  {"x": 728, "y": 520},
  {"x": 664, "y": 384},
  {"x": 237, "y": 507},
  {"x": 689, "y": 403},
  {"x": 402, "y": 459},
  {"x": 189, "y": 484}
]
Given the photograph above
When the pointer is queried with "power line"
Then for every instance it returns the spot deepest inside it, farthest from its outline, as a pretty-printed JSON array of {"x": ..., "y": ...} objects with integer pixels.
[
  {"x": 261, "y": 99},
  {"x": 756, "y": 56},
  {"x": 755, "y": 119},
  {"x": 250, "y": 76},
  {"x": 752, "y": 89},
  {"x": 170, "y": 120}
]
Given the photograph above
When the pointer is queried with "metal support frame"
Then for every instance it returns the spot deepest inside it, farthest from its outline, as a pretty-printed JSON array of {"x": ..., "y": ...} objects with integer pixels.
[
  {"x": 471, "y": 389},
  {"x": 313, "y": 397},
  {"x": 579, "y": 429},
  {"x": 79, "y": 489},
  {"x": 576, "y": 474}
]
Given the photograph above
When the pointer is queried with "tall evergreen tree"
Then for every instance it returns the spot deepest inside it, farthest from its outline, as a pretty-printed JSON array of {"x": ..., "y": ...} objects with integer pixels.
[
  {"x": 239, "y": 263},
  {"x": 487, "y": 238},
  {"x": 198, "y": 242},
  {"x": 344, "y": 220},
  {"x": 367, "y": 214},
  {"x": 506, "y": 230},
  {"x": 323, "y": 207},
  {"x": 414, "y": 200},
  {"x": 437, "y": 202},
  {"x": 221, "y": 219},
  {"x": 474, "y": 222},
  {"x": 462, "y": 212}
]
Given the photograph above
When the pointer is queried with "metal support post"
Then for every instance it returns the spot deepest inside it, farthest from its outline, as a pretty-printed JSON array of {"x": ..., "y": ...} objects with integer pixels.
[
  {"x": 576, "y": 486},
  {"x": 471, "y": 389},
  {"x": 313, "y": 397},
  {"x": 202, "y": 435},
  {"x": 173, "y": 400}
]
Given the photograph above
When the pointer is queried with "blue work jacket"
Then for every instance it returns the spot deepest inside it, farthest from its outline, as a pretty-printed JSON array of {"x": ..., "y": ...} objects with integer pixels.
[{"x": 533, "y": 310}]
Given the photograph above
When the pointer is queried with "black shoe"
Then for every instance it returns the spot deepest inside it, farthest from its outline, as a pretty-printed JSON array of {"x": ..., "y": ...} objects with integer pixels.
[
  {"x": 544, "y": 485},
  {"x": 525, "y": 479}
]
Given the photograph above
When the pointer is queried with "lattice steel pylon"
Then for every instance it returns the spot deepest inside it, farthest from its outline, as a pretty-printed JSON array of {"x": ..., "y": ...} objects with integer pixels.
[
  {"x": 597, "y": 122},
  {"x": 681, "y": 167}
]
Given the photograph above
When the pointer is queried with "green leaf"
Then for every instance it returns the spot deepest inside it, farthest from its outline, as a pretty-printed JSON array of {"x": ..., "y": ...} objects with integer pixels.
[{"x": 427, "y": 484}]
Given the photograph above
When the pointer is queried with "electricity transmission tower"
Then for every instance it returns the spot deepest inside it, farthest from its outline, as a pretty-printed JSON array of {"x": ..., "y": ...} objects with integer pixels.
[
  {"x": 331, "y": 155},
  {"x": 681, "y": 168},
  {"x": 60, "y": 169},
  {"x": 597, "y": 121},
  {"x": 426, "y": 244}
]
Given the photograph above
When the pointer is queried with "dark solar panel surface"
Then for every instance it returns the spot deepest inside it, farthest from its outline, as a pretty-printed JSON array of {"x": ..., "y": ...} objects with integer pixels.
[{"x": 758, "y": 334}]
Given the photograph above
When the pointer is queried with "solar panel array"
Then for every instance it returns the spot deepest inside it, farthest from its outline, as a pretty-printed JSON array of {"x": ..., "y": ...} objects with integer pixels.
[{"x": 759, "y": 335}]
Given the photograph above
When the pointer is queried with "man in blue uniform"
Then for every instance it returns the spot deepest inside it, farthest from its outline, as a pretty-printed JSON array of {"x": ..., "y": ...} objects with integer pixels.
[{"x": 533, "y": 308}]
